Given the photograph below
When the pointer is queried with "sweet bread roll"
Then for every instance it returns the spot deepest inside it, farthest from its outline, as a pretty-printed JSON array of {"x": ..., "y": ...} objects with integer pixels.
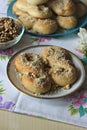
[
  {"x": 81, "y": 10},
  {"x": 52, "y": 54},
  {"x": 16, "y": 10},
  {"x": 46, "y": 26},
  {"x": 38, "y": 85},
  {"x": 62, "y": 7},
  {"x": 36, "y": 2},
  {"x": 22, "y": 5},
  {"x": 28, "y": 62},
  {"x": 67, "y": 22},
  {"x": 40, "y": 11},
  {"x": 27, "y": 20},
  {"x": 63, "y": 74}
]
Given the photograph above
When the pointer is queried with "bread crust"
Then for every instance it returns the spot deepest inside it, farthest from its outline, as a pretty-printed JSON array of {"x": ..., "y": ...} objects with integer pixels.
[
  {"x": 62, "y": 7},
  {"x": 28, "y": 62},
  {"x": 64, "y": 74},
  {"x": 27, "y": 20},
  {"x": 38, "y": 85},
  {"x": 67, "y": 22},
  {"x": 46, "y": 26},
  {"x": 52, "y": 54}
]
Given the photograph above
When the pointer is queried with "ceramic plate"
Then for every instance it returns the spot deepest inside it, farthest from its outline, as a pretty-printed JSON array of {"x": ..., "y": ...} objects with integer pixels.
[
  {"x": 12, "y": 75},
  {"x": 82, "y": 23}
]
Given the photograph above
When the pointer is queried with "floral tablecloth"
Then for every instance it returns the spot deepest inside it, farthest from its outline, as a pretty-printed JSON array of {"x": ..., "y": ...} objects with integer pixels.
[{"x": 71, "y": 109}]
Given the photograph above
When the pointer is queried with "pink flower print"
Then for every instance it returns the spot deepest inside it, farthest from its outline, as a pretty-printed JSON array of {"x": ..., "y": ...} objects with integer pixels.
[
  {"x": 8, "y": 52},
  {"x": 80, "y": 100},
  {"x": 44, "y": 39},
  {"x": 79, "y": 51},
  {"x": 78, "y": 103}
]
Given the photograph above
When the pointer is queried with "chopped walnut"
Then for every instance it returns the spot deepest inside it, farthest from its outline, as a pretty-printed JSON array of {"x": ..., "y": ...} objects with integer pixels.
[{"x": 8, "y": 29}]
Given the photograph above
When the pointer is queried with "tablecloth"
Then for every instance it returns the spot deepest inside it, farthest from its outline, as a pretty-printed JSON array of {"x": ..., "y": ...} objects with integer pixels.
[{"x": 71, "y": 109}]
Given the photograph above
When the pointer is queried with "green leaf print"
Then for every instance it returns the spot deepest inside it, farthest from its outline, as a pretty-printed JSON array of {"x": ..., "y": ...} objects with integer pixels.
[
  {"x": 85, "y": 100},
  {"x": 4, "y": 57},
  {"x": 73, "y": 111},
  {"x": 2, "y": 90},
  {"x": 81, "y": 111}
]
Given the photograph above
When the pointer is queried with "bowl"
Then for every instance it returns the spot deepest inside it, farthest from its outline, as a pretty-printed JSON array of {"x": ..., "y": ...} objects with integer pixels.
[
  {"x": 61, "y": 33},
  {"x": 14, "y": 40}
]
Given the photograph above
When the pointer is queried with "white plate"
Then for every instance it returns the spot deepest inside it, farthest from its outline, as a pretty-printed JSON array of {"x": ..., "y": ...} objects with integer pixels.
[{"x": 12, "y": 75}]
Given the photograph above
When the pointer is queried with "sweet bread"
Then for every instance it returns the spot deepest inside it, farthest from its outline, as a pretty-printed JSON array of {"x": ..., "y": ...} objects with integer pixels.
[
  {"x": 52, "y": 54},
  {"x": 46, "y": 26},
  {"x": 27, "y": 20},
  {"x": 63, "y": 73},
  {"x": 16, "y": 10},
  {"x": 38, "y": 85},
  {"x": 40, "y": 11},
  {"x": 62, "y": 7},
  {"x": 36, "y": 2},
  {"x": 22, "y": 5},
  {"x": 38, "y": 73},
  {"x": 28, "y": 62},
  {"x": 67, "y": 22}
]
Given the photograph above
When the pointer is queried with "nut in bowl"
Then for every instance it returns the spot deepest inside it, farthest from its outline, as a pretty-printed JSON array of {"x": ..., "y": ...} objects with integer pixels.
[{"x": 11, "y": 31}]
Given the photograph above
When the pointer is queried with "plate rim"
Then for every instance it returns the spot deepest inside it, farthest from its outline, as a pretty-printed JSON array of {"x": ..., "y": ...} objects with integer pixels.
[
  {"x": 71, "y": 31},
  {"x": 31, "y": 94}
]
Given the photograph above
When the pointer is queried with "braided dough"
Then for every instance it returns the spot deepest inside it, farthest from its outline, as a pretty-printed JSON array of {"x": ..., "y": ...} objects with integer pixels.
[
  {"x": 27, "y": 20},
  {"x": 62, "y": 7},
  {"x": 39, "y": 73},
  {"x": 33, "y": 75},
  {"x": 52, "y": 54},
  {"x": 67, "y": 22},
  {"x": 63, "y": 71},
  {"x": 40, "y": 11},
  {"x": 37, "y": 15},
  {"x": 39, "y": 85},
  {"x": 28, "y": 62},
  {"x": 63, "y": 74},
  {"x": 46, "y": 26}
]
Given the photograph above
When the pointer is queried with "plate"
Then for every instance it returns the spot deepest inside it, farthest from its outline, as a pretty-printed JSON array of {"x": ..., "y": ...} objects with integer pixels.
[
  {"x": 63, "y": 33},
  {"x": 12, "y": 75}
]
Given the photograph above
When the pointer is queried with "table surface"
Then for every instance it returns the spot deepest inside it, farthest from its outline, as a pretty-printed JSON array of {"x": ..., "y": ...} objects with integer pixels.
[{"x": 14, "y": 121}]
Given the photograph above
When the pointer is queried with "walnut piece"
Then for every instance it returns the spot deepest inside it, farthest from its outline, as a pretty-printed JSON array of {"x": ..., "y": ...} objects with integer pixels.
[{"x": 8, "y": 29}]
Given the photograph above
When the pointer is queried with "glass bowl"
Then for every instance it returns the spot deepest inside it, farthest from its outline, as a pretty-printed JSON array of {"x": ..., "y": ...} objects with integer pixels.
[{"x": 10, "y": 43}]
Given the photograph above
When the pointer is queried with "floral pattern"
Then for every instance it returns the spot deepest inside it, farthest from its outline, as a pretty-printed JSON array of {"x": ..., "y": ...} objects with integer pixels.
[
  {"x": 44, "y": 39},
  {"x": 1, "y": 89},
  {"x": 5, "y": 105},
  {"x": 6, "y": 54},
  {"x": 78, "y": 103}
]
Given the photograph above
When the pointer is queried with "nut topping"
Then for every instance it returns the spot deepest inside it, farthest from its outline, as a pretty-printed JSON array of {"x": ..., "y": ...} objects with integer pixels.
[{"x": 8, "y": 29}]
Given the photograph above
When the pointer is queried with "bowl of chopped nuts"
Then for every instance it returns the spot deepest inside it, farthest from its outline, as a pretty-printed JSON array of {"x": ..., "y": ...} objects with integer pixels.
[{"x": 11, "y": 31}]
